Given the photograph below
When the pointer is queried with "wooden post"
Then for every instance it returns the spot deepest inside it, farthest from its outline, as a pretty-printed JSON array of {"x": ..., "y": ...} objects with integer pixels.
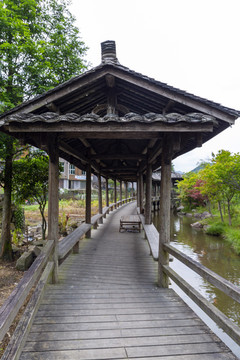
[
  {"x": 141, "y": 193},
  {"x": 120, "y": 190},
  {"x": 115, "y": 193},
  {"x": 88, "y": 198},
  {"x": 53, "y": 203},
  {"x": 148, "y": 204},
  {"x": 165, "y": 205},
  {"x": 126, "y": 192},
  {"x": 132, "y": 189},
  {"x": 100, "y": 197},
  {"x": 138, "y": 193},
  {"x": 107, "y": 194}
]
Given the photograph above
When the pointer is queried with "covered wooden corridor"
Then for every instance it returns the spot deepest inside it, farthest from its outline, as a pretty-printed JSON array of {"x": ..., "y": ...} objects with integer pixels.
[
  {"x": 107, "y": 306},
  {"x": 120, "y": 125}
]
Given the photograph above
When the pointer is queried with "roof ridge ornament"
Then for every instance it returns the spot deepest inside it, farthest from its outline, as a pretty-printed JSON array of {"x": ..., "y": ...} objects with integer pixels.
[{"x": 109, "y": 54}]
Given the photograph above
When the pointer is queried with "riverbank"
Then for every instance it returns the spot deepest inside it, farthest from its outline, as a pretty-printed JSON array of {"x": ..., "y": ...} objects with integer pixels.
[{"x": 213, "y": 225}]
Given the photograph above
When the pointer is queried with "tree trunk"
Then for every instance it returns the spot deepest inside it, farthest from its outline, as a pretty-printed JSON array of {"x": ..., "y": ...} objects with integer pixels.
[
  {"x": 44, "y": 222},
  {"x": 220, "y": 210},
  {"x": 229, "y": 213},
  {"x": 6, "y": 245}
]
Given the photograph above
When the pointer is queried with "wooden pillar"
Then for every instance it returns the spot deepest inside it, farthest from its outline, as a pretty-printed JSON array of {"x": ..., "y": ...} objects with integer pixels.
[
  {"x": 126, "y": 192},
  {"x": 132, "y": 190},
  {"x": 107, "y": 194},
  {"x": 148, "y": 204},
  {"x": 88, "y": 198},
  {"x": 141, "y": 193},
  {"x": 165, "y": 205},
  {"x": 53, "y": 200},
  {"x": 138, "y": 193},
  {"x": 121, "y": 191},
  {"x": 115, "y": 193},
  {"x": 100, "y": 197}
]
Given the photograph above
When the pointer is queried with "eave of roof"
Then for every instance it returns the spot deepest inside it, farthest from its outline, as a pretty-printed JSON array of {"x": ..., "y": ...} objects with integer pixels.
[{"x": 116, "y": 68}]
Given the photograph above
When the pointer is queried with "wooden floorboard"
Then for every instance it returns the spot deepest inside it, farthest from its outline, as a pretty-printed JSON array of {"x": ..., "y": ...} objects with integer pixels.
[{"x": 107, "y": 306}]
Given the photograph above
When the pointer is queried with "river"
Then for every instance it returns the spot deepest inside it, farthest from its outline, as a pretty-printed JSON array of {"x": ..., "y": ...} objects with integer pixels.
[{"x": 217, "y": 255}]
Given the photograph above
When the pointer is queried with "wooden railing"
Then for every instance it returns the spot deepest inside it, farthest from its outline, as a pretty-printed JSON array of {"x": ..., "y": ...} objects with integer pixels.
[
  {"x": 38, "y": 275},
  {"x": 222, "y": 284},
  {"x": 71, "y": 242}
]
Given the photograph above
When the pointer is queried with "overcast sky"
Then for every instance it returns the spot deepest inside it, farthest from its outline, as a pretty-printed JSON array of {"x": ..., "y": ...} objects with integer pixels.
[{"x": 190, "y": 44}]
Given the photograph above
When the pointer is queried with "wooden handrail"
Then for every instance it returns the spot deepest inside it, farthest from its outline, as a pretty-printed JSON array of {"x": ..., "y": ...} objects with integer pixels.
[
  {"x": 11, "y": 306},
  {"x": 21, "y": 332},
  {"x": 222, "y": 284},
  {"x": 67, "y": 244},
  {"x": 222, "y": 320}
]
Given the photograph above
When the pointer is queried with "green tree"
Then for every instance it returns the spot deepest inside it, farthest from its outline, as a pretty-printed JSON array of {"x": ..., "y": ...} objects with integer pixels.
[
  {"x": 227, "y": 169},
  {"x": 39, "y": 48},
  {"x": 189, "y": 190},
  {"x": 30, "y": 181}
]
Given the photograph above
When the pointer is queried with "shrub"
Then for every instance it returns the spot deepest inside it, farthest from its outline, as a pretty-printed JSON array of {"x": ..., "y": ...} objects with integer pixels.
[
  {"x": 217, "y": 229},
  {"x": 233, "y": 237}
]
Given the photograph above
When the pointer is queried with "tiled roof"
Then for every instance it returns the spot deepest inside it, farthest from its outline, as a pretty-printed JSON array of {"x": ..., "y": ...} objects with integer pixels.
[{"x": 51, "y": 117}]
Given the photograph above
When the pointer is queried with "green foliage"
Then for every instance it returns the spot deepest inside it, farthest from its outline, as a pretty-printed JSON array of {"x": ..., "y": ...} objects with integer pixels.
[
  {"x": 216, "y": 229},
  {"x": 233, "y": 237},
  {"x": 17, "y": 237},
  {"x": 218, "y": 181},
  {"x": 30, "y": 181},
  {"x": 19, "y": 218},
  {"x": 62, "y": 223},
  {"x": 39, "y": 46}
]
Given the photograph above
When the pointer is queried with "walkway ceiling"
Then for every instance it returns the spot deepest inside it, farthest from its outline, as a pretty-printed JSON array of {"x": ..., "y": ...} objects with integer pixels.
[{"x": 117, "y": 119}]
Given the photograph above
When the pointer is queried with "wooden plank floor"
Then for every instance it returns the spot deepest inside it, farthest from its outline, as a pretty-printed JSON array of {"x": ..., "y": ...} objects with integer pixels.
[{"x": 107, "y": 306}]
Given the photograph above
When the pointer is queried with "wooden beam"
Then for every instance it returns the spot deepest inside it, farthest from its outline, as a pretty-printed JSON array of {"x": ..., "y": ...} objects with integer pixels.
[
  {"x": 71, "y": 151},
  {"x": 53, "y": 107},
  {"x": 119, "y": 156},
  {"x": 173, "y": 95},
  {"x": 79, "y": 82},
  {"x": 63, "y": 146},
  {"x": 199, "y": 140},
  {"x": 107, "y": 130},
  {"x": 110, "y": 80},
  {"x": 168, "y": 106}
]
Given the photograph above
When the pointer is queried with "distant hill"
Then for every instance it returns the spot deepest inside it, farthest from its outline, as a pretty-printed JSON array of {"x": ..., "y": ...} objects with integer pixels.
[{"x": 199, "y": 167}]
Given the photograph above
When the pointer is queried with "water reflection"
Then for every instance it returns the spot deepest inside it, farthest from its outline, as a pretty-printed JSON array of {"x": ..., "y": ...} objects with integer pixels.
[{"x": 212, "y": 252}]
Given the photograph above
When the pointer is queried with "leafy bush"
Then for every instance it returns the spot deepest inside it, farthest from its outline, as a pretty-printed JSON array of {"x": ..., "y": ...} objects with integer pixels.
[
  {"x": 216, "y": 229},
  {"x": 19, "y": 218},
  {"x": 233, "y": 236}
]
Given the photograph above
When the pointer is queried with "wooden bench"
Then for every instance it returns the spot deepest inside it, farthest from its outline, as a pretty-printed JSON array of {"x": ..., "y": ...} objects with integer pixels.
[
  {"x": 68, "y": 243},
  {"x": 131, "y": 222},
  {"x": 152, "y": 236}
]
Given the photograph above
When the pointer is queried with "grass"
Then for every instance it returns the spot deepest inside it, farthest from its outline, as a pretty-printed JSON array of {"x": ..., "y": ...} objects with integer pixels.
[
  {"x": 232, "y": 235},
  {"x": 216, "y": 229},
  {"x": 71, "y": 207}
]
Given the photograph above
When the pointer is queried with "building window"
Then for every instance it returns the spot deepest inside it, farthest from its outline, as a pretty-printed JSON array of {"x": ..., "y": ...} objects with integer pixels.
[
  {"x": 72, "y": 169},
  {"x": 83, "y": 172}
]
